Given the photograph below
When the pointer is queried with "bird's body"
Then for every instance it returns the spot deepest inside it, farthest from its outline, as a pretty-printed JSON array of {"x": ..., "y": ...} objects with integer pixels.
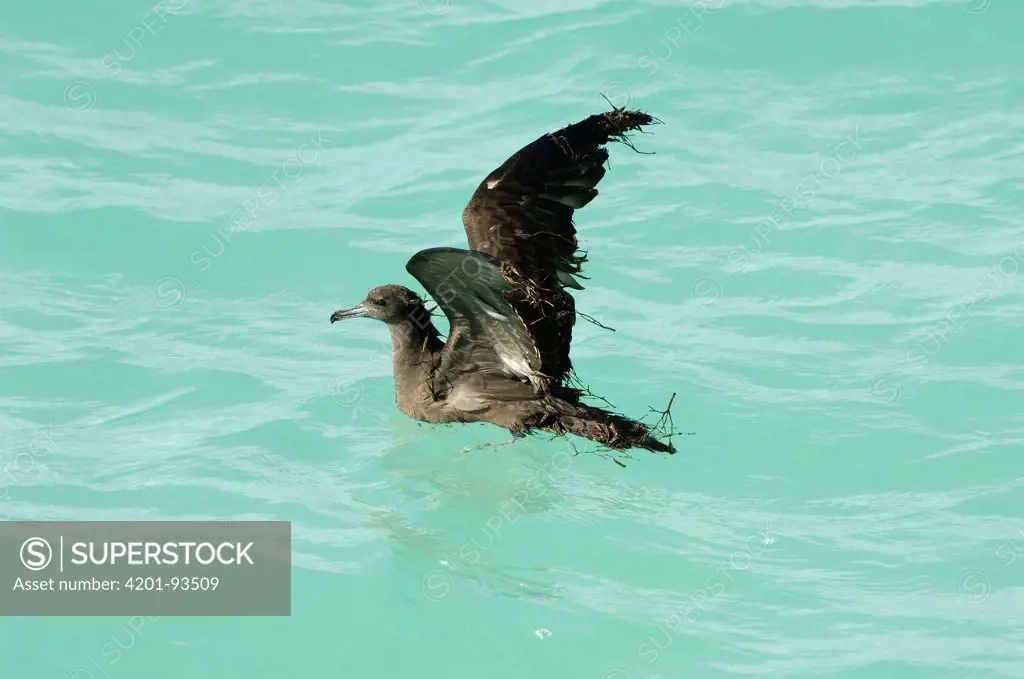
[{"x": 506, "y": 358}]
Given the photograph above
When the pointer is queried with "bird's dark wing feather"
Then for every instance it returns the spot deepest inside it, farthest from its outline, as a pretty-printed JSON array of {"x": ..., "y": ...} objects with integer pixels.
[
  {"x": 521, "y": 214},
  {"x": 487, "y": 337}
]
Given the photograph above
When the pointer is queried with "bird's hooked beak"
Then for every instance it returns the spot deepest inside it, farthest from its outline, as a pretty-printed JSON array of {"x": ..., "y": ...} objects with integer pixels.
[{"x": 354, "y": 312}]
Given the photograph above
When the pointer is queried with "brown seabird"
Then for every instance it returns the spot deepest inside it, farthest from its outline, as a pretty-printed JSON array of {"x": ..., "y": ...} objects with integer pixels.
[{"x": 506, "y": 358}]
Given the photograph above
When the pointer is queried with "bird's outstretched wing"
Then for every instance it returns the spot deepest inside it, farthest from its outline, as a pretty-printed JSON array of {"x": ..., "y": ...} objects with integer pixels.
[
  {"x": 487, "y": 338},
  {"x": 521, "y": 214}
]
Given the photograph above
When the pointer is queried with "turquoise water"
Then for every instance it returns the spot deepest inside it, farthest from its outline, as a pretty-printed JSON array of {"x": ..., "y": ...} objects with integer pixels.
[{"x": 822, "y": 259}]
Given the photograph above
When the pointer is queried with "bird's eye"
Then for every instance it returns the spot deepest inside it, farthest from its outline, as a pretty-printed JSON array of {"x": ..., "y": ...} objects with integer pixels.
[{"x": 380, "y": 302}]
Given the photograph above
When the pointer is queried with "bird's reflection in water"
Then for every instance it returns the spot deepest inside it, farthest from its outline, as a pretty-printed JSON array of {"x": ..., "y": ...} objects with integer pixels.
[{"x": 463, "y": 505}]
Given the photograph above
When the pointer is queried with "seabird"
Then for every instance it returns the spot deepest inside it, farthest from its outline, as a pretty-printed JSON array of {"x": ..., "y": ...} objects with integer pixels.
[{"x": 506, "y": 358}]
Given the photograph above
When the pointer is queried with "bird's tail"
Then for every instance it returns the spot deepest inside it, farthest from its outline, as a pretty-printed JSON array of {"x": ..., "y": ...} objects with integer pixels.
[{"x": 610, "y": 429}]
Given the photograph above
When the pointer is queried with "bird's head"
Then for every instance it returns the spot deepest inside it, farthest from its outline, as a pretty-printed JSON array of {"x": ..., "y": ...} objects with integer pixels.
[{"x": 388, "y": 303}]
